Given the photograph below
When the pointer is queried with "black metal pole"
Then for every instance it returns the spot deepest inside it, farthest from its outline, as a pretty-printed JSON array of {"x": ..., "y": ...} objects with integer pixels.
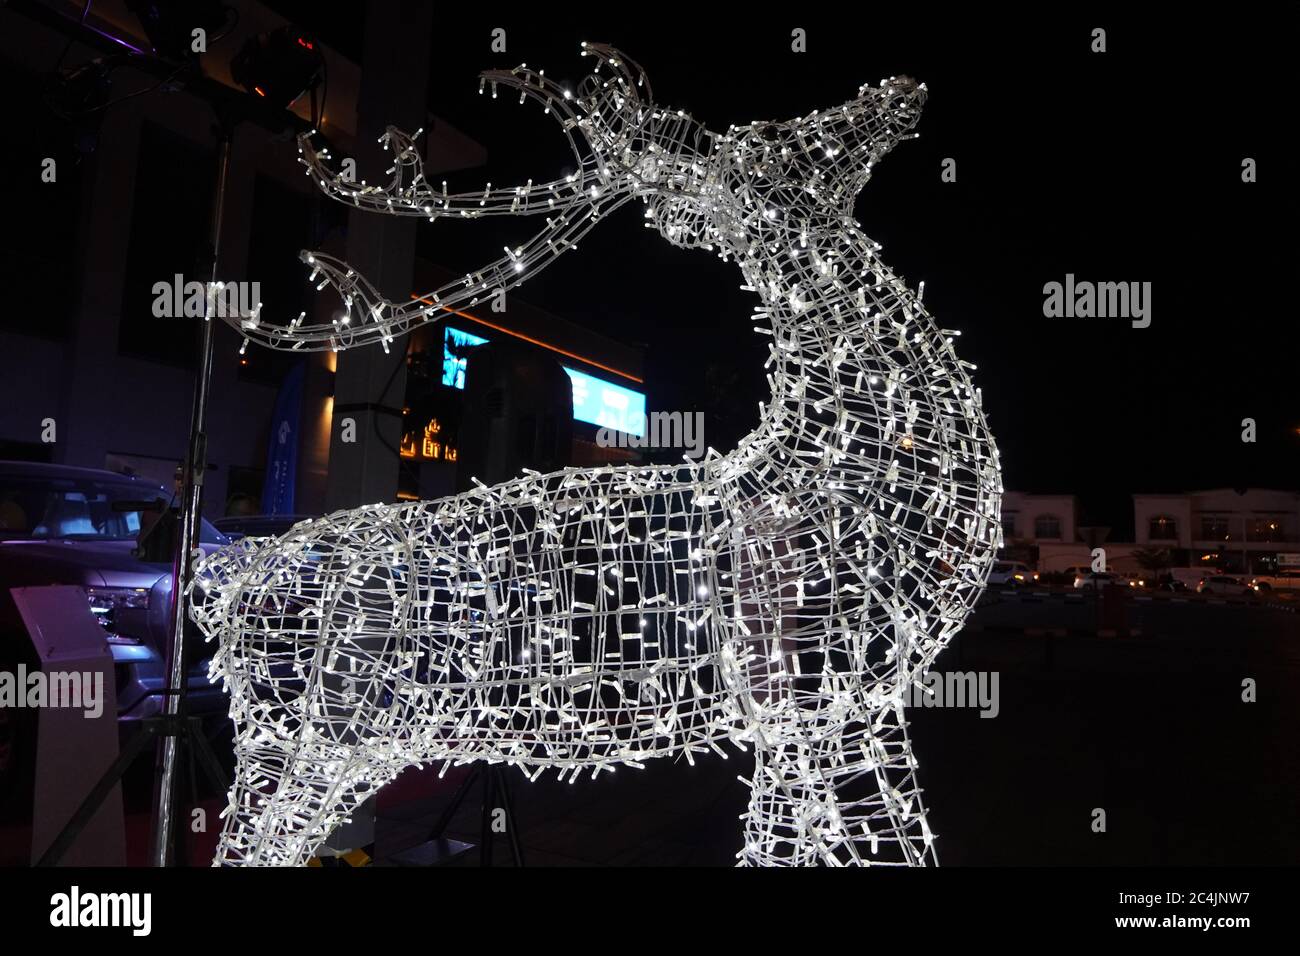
[{"x": 187, "y": 542}]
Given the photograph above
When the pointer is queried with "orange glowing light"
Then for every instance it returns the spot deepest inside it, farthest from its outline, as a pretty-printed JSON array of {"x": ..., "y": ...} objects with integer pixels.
[{"x": 533, "y": 341}]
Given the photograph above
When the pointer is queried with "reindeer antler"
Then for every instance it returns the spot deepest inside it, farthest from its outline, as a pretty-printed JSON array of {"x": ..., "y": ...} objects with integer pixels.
[
  {"x": 606, "y": 114},
  {"x": 409, "y": 193},
  {"x": 370, "y": 317}
]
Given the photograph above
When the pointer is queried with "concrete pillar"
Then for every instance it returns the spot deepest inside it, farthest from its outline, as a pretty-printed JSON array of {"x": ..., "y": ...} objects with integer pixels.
[{"x": 369, "y": 384}]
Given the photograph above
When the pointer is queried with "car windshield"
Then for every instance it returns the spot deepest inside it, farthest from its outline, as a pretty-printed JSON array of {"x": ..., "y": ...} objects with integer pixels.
[{"x": 78, "y": 509}]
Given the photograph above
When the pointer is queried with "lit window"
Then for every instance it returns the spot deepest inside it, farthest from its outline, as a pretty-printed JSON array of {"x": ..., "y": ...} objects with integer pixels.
[
  {"x": 1266, "y": 529},
  {"x": 1214, "y": 528},
  {"x": 1162, "y": 528}
]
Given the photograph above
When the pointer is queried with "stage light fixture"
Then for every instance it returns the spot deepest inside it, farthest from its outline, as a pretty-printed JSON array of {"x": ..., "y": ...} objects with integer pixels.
[
  {"x": 279, "y": 66},
  {"x": 82, "y": 89},
  {"x": 170, "y": 24}
]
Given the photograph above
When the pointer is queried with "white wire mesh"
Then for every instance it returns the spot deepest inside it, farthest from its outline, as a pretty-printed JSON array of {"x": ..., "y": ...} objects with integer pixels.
[{"x": 782, "y": 596}]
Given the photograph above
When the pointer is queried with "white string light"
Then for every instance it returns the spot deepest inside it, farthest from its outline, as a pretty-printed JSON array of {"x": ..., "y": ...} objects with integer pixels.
[{"x": 782, "y": 597}]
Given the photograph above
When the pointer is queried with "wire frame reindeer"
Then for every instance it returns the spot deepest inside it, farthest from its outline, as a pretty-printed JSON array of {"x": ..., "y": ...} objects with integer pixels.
[{"x": 782, "y": 597}]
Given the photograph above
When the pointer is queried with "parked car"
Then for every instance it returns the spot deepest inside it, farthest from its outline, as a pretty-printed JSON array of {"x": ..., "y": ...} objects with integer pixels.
[
  {"x": 1073, "y": 573},
  {"x": 1288, "y": 580},
  {"x": 1225, "y": 585},
  {"x": 1191, "y": 577},
  {"x": 256, "y": 526},
  {"x": 1086, "y": 580},
  {"x": 79, "y": 526},
  {"x": 1012, "y": 574}
]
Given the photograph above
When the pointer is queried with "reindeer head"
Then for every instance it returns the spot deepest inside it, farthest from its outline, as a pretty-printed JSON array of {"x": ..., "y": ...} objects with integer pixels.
[
  {"x": 702, "y": 189},
  {"x": 757, "y": 181},
  {"x": 818, "y": 163}
]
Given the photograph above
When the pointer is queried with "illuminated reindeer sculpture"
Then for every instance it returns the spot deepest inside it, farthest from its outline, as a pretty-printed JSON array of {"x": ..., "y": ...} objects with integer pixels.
[{"x": 783, "y": 596}]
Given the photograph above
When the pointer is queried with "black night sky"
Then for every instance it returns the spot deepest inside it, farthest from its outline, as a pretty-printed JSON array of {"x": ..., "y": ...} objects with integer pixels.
[{"x": 1123, "y": 166}]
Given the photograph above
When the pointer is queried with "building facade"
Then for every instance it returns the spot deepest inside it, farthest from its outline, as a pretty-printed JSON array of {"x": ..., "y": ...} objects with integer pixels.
[
  {"x": 1237, "y": 530},
  {"x": 1029, "y": 519}
]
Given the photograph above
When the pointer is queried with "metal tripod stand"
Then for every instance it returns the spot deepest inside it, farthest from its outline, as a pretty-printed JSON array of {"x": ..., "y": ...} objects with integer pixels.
[{"x": 494, "y": 781}]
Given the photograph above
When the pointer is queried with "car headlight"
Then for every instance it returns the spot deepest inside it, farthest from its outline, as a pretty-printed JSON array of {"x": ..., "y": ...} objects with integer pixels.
[{"x": 106, "y": 602}]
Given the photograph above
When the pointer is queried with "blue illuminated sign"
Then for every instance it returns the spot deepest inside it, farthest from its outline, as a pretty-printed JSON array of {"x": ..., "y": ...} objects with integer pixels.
[
  {"x": 598, "y": 402},
  {"x": 453, "y": 366},
  {"x": 595, "y": 401}
]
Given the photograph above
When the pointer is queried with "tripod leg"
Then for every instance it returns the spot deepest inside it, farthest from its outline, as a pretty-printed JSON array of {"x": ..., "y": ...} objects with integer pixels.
[
  {"x": 445, "y": 819},
  {"x": 112, "y": 776},
  {"x": 199, "y": 753},
  {"x": 489, "y": 786},
  {"x": 182, "y": 832},
  {"x": 516, "y": 850},
  {"x": 207, "y": 757}
]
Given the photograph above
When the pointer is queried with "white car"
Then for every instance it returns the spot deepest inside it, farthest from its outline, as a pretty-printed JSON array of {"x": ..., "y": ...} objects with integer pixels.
[
  {"x": 1222, "y": 584},
  {"x": 1012, "y": 574},
  {"x": 1085, "y": 580}
]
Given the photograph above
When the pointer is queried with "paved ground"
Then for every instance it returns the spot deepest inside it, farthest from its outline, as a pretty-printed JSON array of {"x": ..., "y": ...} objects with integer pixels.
[{"x": 1152, "y": 729}]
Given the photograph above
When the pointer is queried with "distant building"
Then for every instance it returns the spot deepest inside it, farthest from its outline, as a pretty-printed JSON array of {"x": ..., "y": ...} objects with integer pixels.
[
  {"x": 1240, "y": 532},
  {"x": 1235, "y": 530},
  {"x": 1033, "y": 519},
  {"x": 1042, "y": 530}
]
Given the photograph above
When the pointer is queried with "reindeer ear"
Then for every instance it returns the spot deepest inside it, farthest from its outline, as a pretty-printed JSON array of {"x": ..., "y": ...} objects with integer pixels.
[
  {"x": 589, "y": 89},
  {"x": 625, "y": 73},
  {"x": 614, "y": 98}
]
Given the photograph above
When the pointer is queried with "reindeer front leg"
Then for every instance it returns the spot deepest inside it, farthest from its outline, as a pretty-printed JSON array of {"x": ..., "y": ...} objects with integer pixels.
[
  {"x": 834, "y": 780},
  {"x": 315, "y": 637},
  {"x": 833, "y": 794},
  {"x": 310, "y": 742},
  {"x": 289, "y": 797}
]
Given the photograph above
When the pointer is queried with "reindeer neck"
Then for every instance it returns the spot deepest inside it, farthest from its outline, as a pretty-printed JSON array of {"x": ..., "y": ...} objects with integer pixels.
[{"x": 852, "y": 351}]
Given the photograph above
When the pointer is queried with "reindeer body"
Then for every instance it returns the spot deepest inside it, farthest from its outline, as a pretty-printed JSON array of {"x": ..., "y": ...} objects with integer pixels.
[{"x": 783, "y": 596}]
